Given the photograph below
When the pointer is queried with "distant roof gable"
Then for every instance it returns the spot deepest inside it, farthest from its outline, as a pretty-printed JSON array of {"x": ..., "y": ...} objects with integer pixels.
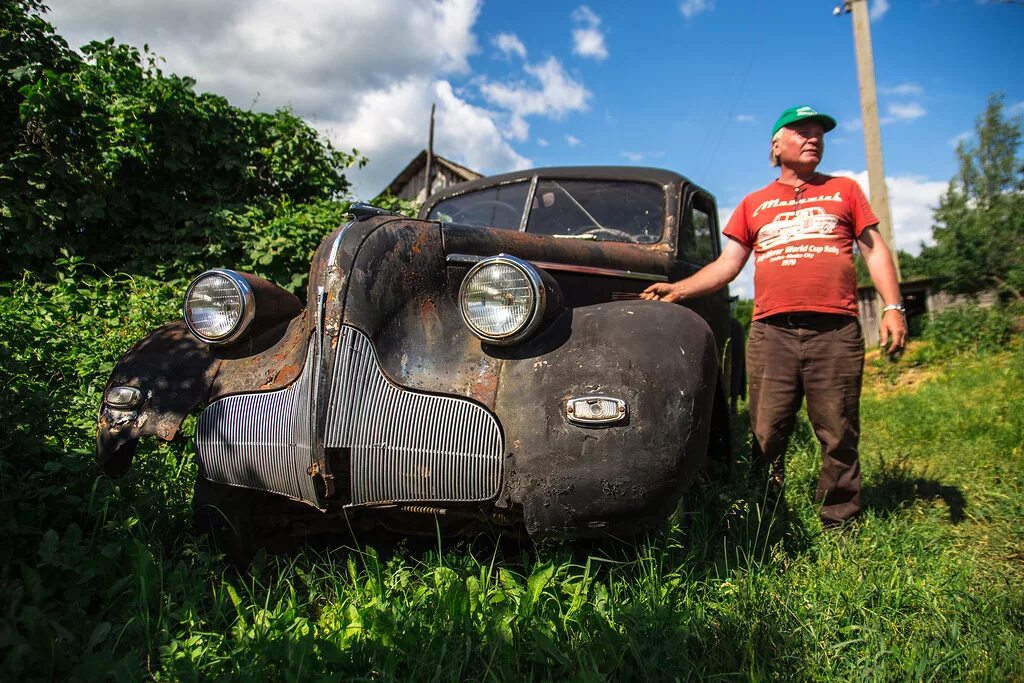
[{"x": 417, "y": 165}]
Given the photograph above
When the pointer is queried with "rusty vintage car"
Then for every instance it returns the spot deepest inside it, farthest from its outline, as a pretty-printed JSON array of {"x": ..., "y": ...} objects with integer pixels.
[{"x": 486, "y": 366}]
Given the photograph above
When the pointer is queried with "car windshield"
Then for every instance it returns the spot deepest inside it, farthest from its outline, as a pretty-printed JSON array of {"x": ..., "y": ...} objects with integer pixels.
[{"x": 608, "y": 210}]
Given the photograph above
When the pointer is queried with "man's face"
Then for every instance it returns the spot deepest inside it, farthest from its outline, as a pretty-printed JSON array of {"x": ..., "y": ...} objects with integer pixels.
[{"x": 801, "y": 144}]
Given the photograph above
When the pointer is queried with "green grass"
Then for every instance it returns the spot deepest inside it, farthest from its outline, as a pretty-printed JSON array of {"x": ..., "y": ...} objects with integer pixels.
[{"x": 105, "y": 579}]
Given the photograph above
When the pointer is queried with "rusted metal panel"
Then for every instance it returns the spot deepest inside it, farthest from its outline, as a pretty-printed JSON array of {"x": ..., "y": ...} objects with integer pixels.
[
  {"x": 175, "y": 372},
  {"x": 624, "y": 256},
  {"x": 572, "y": 480},
  {"x": 271, "y": 361}
]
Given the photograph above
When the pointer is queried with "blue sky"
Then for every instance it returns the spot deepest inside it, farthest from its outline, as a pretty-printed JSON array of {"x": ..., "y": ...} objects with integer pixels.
[{"x": 689, "y": 85}]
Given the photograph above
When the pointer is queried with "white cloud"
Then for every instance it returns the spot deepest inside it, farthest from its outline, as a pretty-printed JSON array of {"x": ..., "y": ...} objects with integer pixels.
[
  {"x": 393, "y": 123},
  {"x": 895, "y": 113},
  {"x": 633, "y": 157},
  {"x": 554, "y": 95},
  {"x": 912, "y": 200},
  {"x": 902, "y": 90},
  {"x": 907, "y": 111},
  {"x": 744, "y": 118},
  {"x": 541, "y": 142},
  {"x": 509, "y": 44},
  {"x": 878, "y": 9},
  {"x": 587, "y": 37},
  {"x": 573, "y": 141},
  {"x": 852, "y": 125},
  {"x": 962, "y": 137},
  {"x": 326, "y": 60},
  {"x": 277, "y": 52},
  {"x": 691, "y": 8},
  {"x": 1015, "y": 108}
]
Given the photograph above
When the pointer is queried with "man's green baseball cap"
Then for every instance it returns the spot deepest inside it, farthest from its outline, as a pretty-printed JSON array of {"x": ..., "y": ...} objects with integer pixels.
[{"x": 794, "y": 114}]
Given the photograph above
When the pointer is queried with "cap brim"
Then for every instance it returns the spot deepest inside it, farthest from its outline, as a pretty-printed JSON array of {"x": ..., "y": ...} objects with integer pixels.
[{"x": 827, "y": 122}]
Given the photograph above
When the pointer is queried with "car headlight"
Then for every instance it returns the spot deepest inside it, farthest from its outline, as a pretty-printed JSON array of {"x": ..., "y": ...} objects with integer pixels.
[
  {"x": 219, "y": 305},
  {"x": 502, "y": 299}
]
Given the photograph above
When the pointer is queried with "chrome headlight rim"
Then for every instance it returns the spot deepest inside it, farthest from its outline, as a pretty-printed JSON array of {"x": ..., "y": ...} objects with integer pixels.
[
  {"x": 247, "y": 304},
  {"x": 537, "y": 290}
]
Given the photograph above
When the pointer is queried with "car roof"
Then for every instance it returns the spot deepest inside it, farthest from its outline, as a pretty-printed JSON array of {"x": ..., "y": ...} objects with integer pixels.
[{"x": 658, "y": 176}]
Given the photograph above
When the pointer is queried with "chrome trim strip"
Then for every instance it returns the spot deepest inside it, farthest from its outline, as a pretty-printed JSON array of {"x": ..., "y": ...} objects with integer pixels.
[
  {"x": 530, "y": 192},
  {"x": 337, "y": 241},
  {"x": 470, "y": 259},
  {"x": 591, "y": 270},
  {"x": 464, "y": 259}
]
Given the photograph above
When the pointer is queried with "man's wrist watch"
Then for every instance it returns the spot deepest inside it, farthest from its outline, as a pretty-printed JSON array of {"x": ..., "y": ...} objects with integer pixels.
[{"x": 894, "y": 307}]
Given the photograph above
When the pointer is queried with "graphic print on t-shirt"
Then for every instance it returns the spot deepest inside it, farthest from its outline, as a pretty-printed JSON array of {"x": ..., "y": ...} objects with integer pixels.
[
  {"x": 773, "y": 242},
  {"x": 803, "y": 224}
]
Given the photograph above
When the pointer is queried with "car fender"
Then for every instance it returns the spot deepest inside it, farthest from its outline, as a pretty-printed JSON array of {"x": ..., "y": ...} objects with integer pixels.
[
  {"x": 595, "y": 479},
  {"x": 174, "y": 372}
]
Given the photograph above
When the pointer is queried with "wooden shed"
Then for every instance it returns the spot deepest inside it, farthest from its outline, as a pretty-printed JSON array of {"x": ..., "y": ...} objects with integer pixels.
[
  {"x": 920, "y": 297},
  {"x": 411, "y": 183}
]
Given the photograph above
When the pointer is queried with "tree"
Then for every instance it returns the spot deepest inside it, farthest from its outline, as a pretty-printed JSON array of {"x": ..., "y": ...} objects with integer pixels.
[
  {"x": 107, "y": 157},
  {"x": 979, "y": 230}
]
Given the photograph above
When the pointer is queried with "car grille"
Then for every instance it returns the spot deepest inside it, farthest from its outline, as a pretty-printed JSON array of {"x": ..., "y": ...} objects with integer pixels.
[
  {"x": 260, "y": 441},
  {"x": 406, "y": 445}
]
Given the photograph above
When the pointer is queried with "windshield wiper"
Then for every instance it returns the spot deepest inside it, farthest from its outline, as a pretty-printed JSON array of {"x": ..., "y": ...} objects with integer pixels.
[{"x": 578, "y": 205}]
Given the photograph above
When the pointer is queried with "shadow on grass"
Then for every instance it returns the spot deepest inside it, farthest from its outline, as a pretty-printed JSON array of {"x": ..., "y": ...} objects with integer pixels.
[{"x": 894, "y": 484}]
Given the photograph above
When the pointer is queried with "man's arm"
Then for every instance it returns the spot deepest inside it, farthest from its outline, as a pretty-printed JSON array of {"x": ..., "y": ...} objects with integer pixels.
[
  {"x": 710, "y": 278},
  {"x": 883, "y": 274}
]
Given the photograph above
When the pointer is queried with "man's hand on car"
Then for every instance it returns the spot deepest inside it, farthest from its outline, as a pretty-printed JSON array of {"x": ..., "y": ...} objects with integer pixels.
[{"x": 663, "y": 291}]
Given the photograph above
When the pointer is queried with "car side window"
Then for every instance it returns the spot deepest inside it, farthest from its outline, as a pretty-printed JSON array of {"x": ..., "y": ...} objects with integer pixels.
[{"x": 697, "y": 233}]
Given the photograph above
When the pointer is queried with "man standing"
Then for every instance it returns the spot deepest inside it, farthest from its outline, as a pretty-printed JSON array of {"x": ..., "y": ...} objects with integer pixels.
[{"x": 805, "y": 339}]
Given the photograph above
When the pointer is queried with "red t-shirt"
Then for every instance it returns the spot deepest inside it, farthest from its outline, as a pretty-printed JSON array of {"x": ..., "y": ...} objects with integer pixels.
[{"x": 802, "y": 240}]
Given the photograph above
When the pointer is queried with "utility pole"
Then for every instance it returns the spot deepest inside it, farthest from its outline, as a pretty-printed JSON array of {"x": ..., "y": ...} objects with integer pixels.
[
  {"x": 430, "y": 156},
  {"x": 869, "y": 115}
]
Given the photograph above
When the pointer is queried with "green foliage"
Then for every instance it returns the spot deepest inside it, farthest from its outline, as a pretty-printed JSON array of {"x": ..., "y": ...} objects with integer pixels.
[
  {"x": 109, "y": 158},
  {"x": 278, "y": 242},
  {"x": 979, "y": 231},
  {"x": 911, "y": 268},
  {"x": 973, "y": 330},
  {"x": 105, "y": 579},
  {"x": 406, "y": 207},
  {"x": 72, "y": 556},
  {"x": 743, "y": 311}
]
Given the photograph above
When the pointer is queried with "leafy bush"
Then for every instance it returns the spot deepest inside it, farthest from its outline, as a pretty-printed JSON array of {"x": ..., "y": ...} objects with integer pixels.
[
  {"x": 973, "y": 329},
  {"x": 74, "y": 552},
  {"x": 107, "y": 157},
  {"x": 743, "y": 311}
]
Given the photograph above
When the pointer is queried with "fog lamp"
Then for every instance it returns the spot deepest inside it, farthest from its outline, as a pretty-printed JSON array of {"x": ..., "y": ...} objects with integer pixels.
[{"x": 123, "y": 397}]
